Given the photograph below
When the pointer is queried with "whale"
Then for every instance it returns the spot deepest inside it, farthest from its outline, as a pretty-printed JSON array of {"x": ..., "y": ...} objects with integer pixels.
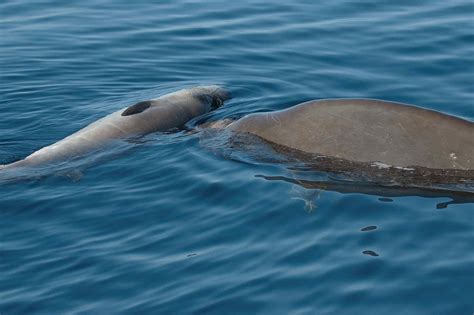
[
  {"x": 381, "y": 133},
  {"x": 164, "y": 113}
]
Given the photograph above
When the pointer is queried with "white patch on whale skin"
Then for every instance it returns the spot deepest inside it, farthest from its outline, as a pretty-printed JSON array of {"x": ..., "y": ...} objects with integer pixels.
[
  {"x": 385, "y": 166},
  {"x": 404, "y": 168},
  {"x": 381, "y": 165},
  {"x": 453, "y": 156}
]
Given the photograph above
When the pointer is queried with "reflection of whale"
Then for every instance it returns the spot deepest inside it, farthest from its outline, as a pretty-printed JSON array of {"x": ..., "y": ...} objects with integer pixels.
[
  {"x": 350, "y": 187},
  {"x": 362, "y": 130},
  {"x": 161, "y": 114}
]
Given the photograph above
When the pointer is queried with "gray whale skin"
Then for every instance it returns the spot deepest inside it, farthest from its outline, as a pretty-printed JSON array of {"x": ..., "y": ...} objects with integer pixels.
[
  {"x": 366, "y": 130},
  {"x": 169, "y": 111}
]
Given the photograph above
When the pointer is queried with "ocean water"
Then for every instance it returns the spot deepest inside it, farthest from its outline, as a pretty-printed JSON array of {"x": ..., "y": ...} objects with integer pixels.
[{"x": 170, "y": 224}]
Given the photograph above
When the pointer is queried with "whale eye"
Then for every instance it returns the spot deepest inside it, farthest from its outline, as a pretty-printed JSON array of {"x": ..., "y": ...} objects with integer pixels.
[
  {"x": 213, "y": 100},
  {"x": 216, "y": 102}
]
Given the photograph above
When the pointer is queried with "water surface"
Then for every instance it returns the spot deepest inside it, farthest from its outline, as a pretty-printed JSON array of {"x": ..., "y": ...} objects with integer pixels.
[{"x": 171, "y": 226}]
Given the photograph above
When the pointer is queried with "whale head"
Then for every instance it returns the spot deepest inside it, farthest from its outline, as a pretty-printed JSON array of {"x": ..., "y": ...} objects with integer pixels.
[{"x": 214, "y": 95}]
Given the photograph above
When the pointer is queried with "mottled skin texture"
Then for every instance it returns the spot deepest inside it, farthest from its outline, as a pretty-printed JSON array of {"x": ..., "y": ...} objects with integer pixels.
[
  {"x": 161, "y": 114},
  {"x": 365, "y": 130}
]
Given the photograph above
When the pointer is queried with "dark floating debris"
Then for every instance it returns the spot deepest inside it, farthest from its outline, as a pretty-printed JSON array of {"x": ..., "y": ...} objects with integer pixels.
[
  {"x": 369, "y": 228},
  {"x": 191, "y": 255},
  {"x": 370, "y": 253},
  {"x": 384, "y": 199}
]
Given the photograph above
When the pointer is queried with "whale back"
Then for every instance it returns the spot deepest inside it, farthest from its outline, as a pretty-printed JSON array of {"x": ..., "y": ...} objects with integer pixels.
[{"x": 365, "y": 130}]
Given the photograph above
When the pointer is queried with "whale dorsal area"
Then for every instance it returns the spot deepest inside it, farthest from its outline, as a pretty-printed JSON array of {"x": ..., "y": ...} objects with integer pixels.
[{"x": 137, "y": 108}]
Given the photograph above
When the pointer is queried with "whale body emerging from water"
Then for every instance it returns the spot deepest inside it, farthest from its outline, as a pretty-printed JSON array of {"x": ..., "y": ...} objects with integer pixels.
[
  {"x": 164, "y": 113},
  {"x": 366, "y": 130}
]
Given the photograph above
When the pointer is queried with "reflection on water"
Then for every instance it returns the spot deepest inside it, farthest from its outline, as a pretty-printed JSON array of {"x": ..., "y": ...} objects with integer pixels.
[{"x": 368, "y": 188}]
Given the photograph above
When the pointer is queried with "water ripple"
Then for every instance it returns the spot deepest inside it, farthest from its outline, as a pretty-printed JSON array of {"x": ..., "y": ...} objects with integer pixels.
[{"x": 172, "y": 225}]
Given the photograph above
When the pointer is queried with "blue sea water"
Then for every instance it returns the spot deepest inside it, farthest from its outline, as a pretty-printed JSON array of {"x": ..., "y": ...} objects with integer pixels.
[{"x": 170, "y": 225}]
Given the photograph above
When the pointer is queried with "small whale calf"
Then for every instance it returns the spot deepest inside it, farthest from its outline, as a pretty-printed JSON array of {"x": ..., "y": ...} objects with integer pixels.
[{"x": 166, "y": 112}]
